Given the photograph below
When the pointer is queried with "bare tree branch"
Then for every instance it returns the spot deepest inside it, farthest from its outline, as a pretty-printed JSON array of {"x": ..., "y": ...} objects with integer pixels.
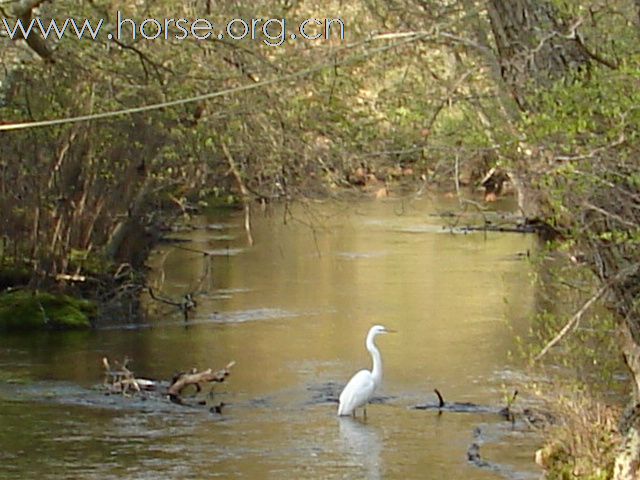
[{"x": 573, "y": 322}]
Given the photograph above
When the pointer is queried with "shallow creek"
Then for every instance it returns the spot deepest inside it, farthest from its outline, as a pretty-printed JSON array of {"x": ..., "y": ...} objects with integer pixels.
[{"x": 292, "y": 311}]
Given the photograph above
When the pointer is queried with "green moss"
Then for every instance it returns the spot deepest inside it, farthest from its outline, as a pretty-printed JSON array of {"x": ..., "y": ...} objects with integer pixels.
[{"x": 26, "y": 310}]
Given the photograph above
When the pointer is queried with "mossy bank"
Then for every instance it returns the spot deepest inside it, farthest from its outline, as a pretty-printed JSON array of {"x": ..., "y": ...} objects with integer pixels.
[{"x": 28, "y": 310}]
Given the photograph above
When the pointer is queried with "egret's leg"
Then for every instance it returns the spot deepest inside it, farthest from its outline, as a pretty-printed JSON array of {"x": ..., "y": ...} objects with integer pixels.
[{"x": 365, "y": 412}]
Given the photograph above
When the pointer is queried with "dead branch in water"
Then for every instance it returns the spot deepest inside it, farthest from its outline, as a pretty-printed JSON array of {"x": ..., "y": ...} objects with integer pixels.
[
  {"x": 186, "y": 304},
  {"x": 183, "y": 380},
  {"x": 122, "y": 380},
  {"x": 501, "y": 229}
]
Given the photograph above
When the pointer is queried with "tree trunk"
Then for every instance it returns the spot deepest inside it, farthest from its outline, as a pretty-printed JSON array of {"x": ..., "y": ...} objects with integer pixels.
[
  {"x": 534, "y": 47},
  {"x": 129, "y": 224},
  {"x": 23, "y": 12},
  {"x": 628, "y": 458}
]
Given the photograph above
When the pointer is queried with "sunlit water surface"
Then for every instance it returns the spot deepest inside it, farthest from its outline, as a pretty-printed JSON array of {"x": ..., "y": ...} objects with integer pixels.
[{"x": 292, "y": 311}]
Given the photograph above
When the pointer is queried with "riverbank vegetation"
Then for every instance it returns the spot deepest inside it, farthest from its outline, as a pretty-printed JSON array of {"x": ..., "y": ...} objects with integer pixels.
[{"x": 545, "y": 91}]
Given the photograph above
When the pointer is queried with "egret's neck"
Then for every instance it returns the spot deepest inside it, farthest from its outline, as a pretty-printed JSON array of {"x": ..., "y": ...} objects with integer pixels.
[{"x": 376, "y": 372}]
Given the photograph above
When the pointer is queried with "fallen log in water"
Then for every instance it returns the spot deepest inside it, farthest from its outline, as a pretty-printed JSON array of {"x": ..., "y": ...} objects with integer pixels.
[
  {"x": 468, "y": 407},
  {"x": 533, "y": 417}
]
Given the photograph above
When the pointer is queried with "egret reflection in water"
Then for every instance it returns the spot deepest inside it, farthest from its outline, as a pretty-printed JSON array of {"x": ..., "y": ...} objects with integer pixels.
[{"x": 362, "y": 445}]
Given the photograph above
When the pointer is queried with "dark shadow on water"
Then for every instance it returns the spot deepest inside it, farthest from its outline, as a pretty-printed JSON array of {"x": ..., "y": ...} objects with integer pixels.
[{"x": 329, "y": 392}]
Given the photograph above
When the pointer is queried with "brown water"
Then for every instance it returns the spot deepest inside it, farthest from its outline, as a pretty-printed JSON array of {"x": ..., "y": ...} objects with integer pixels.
[{"x": 292, "y": 311}]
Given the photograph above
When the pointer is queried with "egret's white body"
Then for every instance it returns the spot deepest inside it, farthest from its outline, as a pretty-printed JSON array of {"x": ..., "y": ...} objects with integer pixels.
[{"x": 363, "y": 384}]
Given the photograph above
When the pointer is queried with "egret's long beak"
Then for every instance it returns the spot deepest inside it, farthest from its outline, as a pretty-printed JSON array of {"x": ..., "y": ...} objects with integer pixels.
[{"x": 388, "y": 330}]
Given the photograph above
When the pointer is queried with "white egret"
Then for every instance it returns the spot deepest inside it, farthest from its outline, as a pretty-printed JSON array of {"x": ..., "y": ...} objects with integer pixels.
[{"x": 363, "y": 384}]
